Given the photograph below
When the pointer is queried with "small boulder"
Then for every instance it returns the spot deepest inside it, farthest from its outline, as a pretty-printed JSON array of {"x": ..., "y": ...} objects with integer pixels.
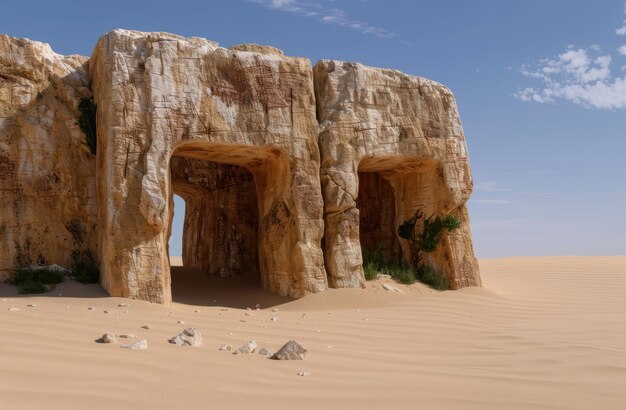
[
  {"x": 146, "y": 327},
  {"x": 391, "y": 288},
  {"x": 107, "y": 338},
  {"x": 226, "y": 347},
  {"x": 292, "y": 350},
  {"x": 188, "y": 337},
  {"x": 141, "y": 344},
  {"x": 264, "y": 352},
  {"x": 247, "y": 348}
]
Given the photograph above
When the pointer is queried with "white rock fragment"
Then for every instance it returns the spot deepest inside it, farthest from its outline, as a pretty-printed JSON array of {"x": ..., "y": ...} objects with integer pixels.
[
  {"x": 391, "y": 288},
  {"x": 107, "y": 338},
  {"x": 188, "y": 337},
  {"x": 141, "y": 344},
  {"x": 274, "y": 319},
  {"x": 247, "y": 348},
  {"x": 181, "y": 322},
  {"x": 13, "y": 309},
  {"x": 264, "y": 352},
  {"x": 226, "y": 347},
  {"x": 31, "y": 305},
  {"x": 304, "y": 373}
]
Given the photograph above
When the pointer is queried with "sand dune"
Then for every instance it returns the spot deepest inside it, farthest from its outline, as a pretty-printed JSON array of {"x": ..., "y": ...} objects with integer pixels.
[{"x": 544, "y": 332}]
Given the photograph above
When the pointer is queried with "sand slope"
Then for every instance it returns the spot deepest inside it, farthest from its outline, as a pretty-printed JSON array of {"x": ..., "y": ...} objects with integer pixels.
[{"x": 543, "y": 333}]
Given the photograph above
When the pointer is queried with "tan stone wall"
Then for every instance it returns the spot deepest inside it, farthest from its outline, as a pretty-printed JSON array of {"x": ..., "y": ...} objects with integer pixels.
[
  {"x": 47, "y": 174},
  {"x": 407, "y": 129},
  {"x": 248, "y": 106},
  {"x": 381, "y": 145}
]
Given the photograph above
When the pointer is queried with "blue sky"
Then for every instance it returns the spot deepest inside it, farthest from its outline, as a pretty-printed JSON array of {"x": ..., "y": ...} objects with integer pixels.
[{"x": 540, "y": 85}]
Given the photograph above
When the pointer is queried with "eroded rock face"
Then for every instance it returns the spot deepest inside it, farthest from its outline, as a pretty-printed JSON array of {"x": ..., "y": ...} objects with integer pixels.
[
  {"x": 162, "y": 95},
  {"x": 47, "y": 174},
  {"x": 407, "y": 131},
  {"x": 220, "y": 232},
  {"x": 235, "y": 132}
]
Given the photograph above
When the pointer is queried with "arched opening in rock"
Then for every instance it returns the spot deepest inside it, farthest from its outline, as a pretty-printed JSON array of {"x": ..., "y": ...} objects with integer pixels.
[
  {"x": 223, "y": 187},
  {"x": 391, "y": 190}
]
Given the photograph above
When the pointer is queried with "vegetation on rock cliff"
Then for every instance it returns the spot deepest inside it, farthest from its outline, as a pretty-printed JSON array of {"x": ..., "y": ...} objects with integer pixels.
[{"x": 87, "y": 122}]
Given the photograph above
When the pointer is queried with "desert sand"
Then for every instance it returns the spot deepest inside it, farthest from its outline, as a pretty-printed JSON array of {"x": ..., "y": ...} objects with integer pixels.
[{"x": 543, "y": 333}]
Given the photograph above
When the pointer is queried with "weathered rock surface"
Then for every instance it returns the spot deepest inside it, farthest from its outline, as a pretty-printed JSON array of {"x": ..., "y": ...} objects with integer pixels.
[
  {"x": 141, "y": 344},
  {"x": 265, "y": 352},
  {"x": 188, "y": 337},
  {"x": 390, "y": 144},
  {"x": 247, "y": 348},
  {"x": 47, "y": 173},
  {"x": 291, "y": 350},
  {"x": 107, "y": 338},
  {"x": 243, "y": 135},
  {"x": 226, "y": 347},
  {"x": 162, "y": 96}
]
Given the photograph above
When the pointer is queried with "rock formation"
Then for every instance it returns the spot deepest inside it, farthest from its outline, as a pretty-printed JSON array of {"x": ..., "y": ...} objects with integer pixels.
[
  {"x": 391, "y": 144},
  {"x": 47, "y": 174},
  {"x": 272, "y": 157}
]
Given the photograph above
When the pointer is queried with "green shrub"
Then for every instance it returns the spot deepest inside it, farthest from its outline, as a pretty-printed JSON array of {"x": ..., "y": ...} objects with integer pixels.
[
  {"x": 87, "y": 122},
  {"x": 370, "y": 270},
  {"x": 29, "y": 280},
  {"x": 401, "y": 272},
  {"x": 433, "y": 278},
  {"x": 85, "y": 268}
]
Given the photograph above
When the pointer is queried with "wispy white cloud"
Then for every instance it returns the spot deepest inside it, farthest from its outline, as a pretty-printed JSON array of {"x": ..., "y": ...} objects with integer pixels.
[
  {"x": 489, "y": 186},
  {"x": 492, "y": 201},
  {"x": 578, "y": 75},
  {"x": 622, "y": 30},
  {"x": 324, "y": 13}
]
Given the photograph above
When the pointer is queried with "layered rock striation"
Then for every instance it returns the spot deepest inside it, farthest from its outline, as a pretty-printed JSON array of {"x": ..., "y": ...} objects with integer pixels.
[{"x": 287, "y": 171}]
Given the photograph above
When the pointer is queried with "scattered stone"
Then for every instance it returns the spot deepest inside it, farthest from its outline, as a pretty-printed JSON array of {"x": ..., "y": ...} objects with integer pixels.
[
  {"x": 274, "y": 310},
  {"x": 126, "y": 311},
  {"x": 141, "y": 344},
  {"x": 188, "y": 337},
  {"x": 292, "y": 350},
  {"x": 391, "y": 288},
  {"x": 226, "y": 347},
  {"x": 107, "y": 338},
  {"x": 274, "y": 319},
  {"x": 127, "y": 336},
  {"x": 247, "y": 314},
  {"x": 224, "y": 309},
  {"x": 109, "y": 311},
  {"x": 123, "y": 305},
  {"x": 146, "y": 327},
  {"x": 31, "y": 305},
  {"x": 181, "y": 322},
  {"x": 304, "y": 373},
  {"x": 265, "y": 352},
  {"x": 90, "y": 308},
  {"x": 14, "y": 309},
  {"x": 247, "y": 348}
]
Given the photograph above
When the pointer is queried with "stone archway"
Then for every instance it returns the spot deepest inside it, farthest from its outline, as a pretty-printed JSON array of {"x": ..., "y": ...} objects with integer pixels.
[
  {"x": 397, "y": 139},
  {"x": 161, "y": 95}
]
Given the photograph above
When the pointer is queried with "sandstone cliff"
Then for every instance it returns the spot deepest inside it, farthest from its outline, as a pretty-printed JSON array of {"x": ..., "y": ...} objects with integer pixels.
[
  {"x": 47, "y": 173},
  {"x": 275, "y": 160}
]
